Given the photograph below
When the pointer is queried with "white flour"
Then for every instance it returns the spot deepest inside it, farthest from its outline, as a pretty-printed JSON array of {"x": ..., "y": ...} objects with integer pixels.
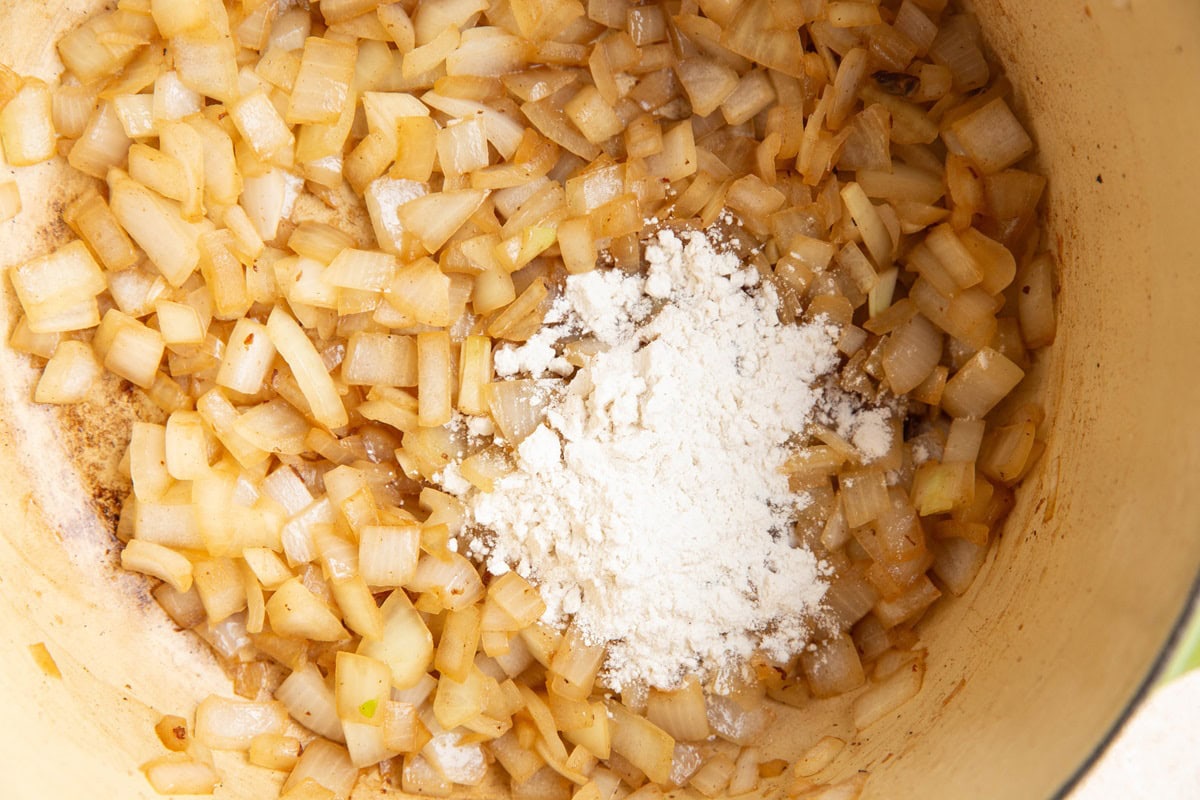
[
  {"x": 869, "y": 430},
  {"x": 649, "y": 507}
]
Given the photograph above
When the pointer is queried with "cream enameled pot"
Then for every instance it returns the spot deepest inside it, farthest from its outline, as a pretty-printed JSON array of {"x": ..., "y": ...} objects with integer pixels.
[{"x": 1029, "y": 674}]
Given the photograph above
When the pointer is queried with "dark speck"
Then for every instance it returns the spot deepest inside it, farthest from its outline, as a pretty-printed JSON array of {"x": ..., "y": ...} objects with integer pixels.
[
  {"x": 1099, "y": 179},
  {"x": 896, "y": 83}
]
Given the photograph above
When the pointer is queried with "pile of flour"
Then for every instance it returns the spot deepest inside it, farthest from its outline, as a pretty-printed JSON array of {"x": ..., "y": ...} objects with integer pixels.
[{"x": 649, "y": 507}]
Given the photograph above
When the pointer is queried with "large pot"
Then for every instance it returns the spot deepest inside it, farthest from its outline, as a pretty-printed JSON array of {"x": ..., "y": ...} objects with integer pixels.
[{"x": 1029, "y": 674}]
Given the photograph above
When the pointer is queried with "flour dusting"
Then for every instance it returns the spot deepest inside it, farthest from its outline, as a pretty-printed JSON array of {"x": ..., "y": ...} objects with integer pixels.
[{"x": 649, "y": 506}]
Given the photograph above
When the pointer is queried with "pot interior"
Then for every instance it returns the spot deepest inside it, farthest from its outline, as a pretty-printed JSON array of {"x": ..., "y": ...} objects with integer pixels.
[{"x": 1027, "y": 673}]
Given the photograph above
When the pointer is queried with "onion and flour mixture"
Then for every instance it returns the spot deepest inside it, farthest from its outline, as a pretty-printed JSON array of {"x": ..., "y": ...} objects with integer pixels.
[{"x": 649, "y": 507}]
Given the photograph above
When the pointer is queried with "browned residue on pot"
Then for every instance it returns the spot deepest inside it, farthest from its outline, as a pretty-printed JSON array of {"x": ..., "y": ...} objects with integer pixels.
[{"x": 96, "y": 434}]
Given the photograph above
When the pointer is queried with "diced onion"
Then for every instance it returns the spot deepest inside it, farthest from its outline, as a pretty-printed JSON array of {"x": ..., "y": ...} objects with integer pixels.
[
  {"x": 713, "y": 776},
  {"x": 233, "y": 724},
  {"x": 833, "y": 667},
  {"x": 186, "y": 446},
  {"x": 168, "y": 524},
  {"x": 69, "y": 375},
  {"x": 161, "y": 562},
  {"x": 406, "y": 645},
  {"x": 884, "y": 697},
  {"x": 295, "y": 611},
  {"x": 156, "y": 226},
  {"x": 274, "y": 751},
  {"x": 981, "y": 384},
  {"x": 388, "y": 554},
  {"x": 647, "y": 746},
  {"x": 681, "y": 713},
  {"x": 131, "y": 349},
  {"x": 421, "y": 777},
  {"x": 326, "y": 764},
  {"x": 176, "y": 774},
  {"x": 326, "y": 71},
  {"x": 451, "y": 577},
  {"x": 819, "y": 756},
  {"x": 27, "y": 125},
  {"x": 274, "y": 426},
  {"x": 300, "y": 354},
  {"x": 1035, "y": 303},
  {"x": 311, "y": 702},
  {"x": 458, "y": 643},
  {"x": 521, "y": 601},
  {"x": 262, "y": 127},
  {"x": 433, "y": 379},
  {"x": 10, "y": 200},
  {"x": 220, "y": 586},
  {"x": 992, "y": 137},
  {"x": 361, "y": 687},
  {"x": 745, "y": 774},
  {"x": 455, "y": 702}
]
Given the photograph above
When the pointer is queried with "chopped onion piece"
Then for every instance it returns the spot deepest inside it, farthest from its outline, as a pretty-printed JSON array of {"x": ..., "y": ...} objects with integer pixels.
[
  {"x": 434, "y": 218},
  {"x": 161, "y": 562},
  {"x": 173, "y": 100},
  {"x": 434, "y": 384},
  {"x": 833, "y": 667},
  {"x": 323, "y": 84},
  {"x": 129, "y": 348},
  {"x": 27, "y": 125},
  {"x": 274, "y": 751},
  {"x": 992, "y": 137},
  {"x": 10, "y": 200},
  {"x": 884, "y": 697},
  {"x": 311, "y": 702},
  {"x": 186, "y": 445},
  {"x": 682, "y": 713},
  {"x": 302, "y": 356},
  {"x": 262, "y": 127},
  {"x": 328, "y": 765},
  {"x": 388, "y": 554},
  {"x": 178, "y": 774},
  {"x": 274, "y": 426},
  {"x": 713, "y": 776},
  {"x": 295, "y": 611},
  {"x": 247, "y": 358},
  {"x": 58, "y": 291},
  {"x": 157, "y": 227},
  {"x": 647, "y": 746},
  {"x": 173, "y": 17},
  {"x": 361, "y": 687},
  {"x": 980, "y": 384},
  {"x": 911, "y": 353},
  {"x": 68, "y": 376},
  {"x": 406, "y": 645},
  {"x": 103, "y": 144},
  {"x": 422, "y": 778},
  {"x": 233, "y": 724},
  {"x": 449, "y": 576},
  {"x": 1035, "y": 303}
]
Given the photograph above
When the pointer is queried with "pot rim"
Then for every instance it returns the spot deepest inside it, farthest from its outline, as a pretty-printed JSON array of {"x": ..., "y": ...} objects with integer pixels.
[{"x": 1180, "y": 653}]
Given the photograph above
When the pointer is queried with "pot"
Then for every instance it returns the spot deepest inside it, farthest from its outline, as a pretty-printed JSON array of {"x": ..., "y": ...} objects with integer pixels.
[{"x": 1076, "y": 613}]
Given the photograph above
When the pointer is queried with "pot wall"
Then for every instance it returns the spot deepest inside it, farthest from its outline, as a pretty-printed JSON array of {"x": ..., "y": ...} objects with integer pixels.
[{"x": 1027, "y": 673}]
